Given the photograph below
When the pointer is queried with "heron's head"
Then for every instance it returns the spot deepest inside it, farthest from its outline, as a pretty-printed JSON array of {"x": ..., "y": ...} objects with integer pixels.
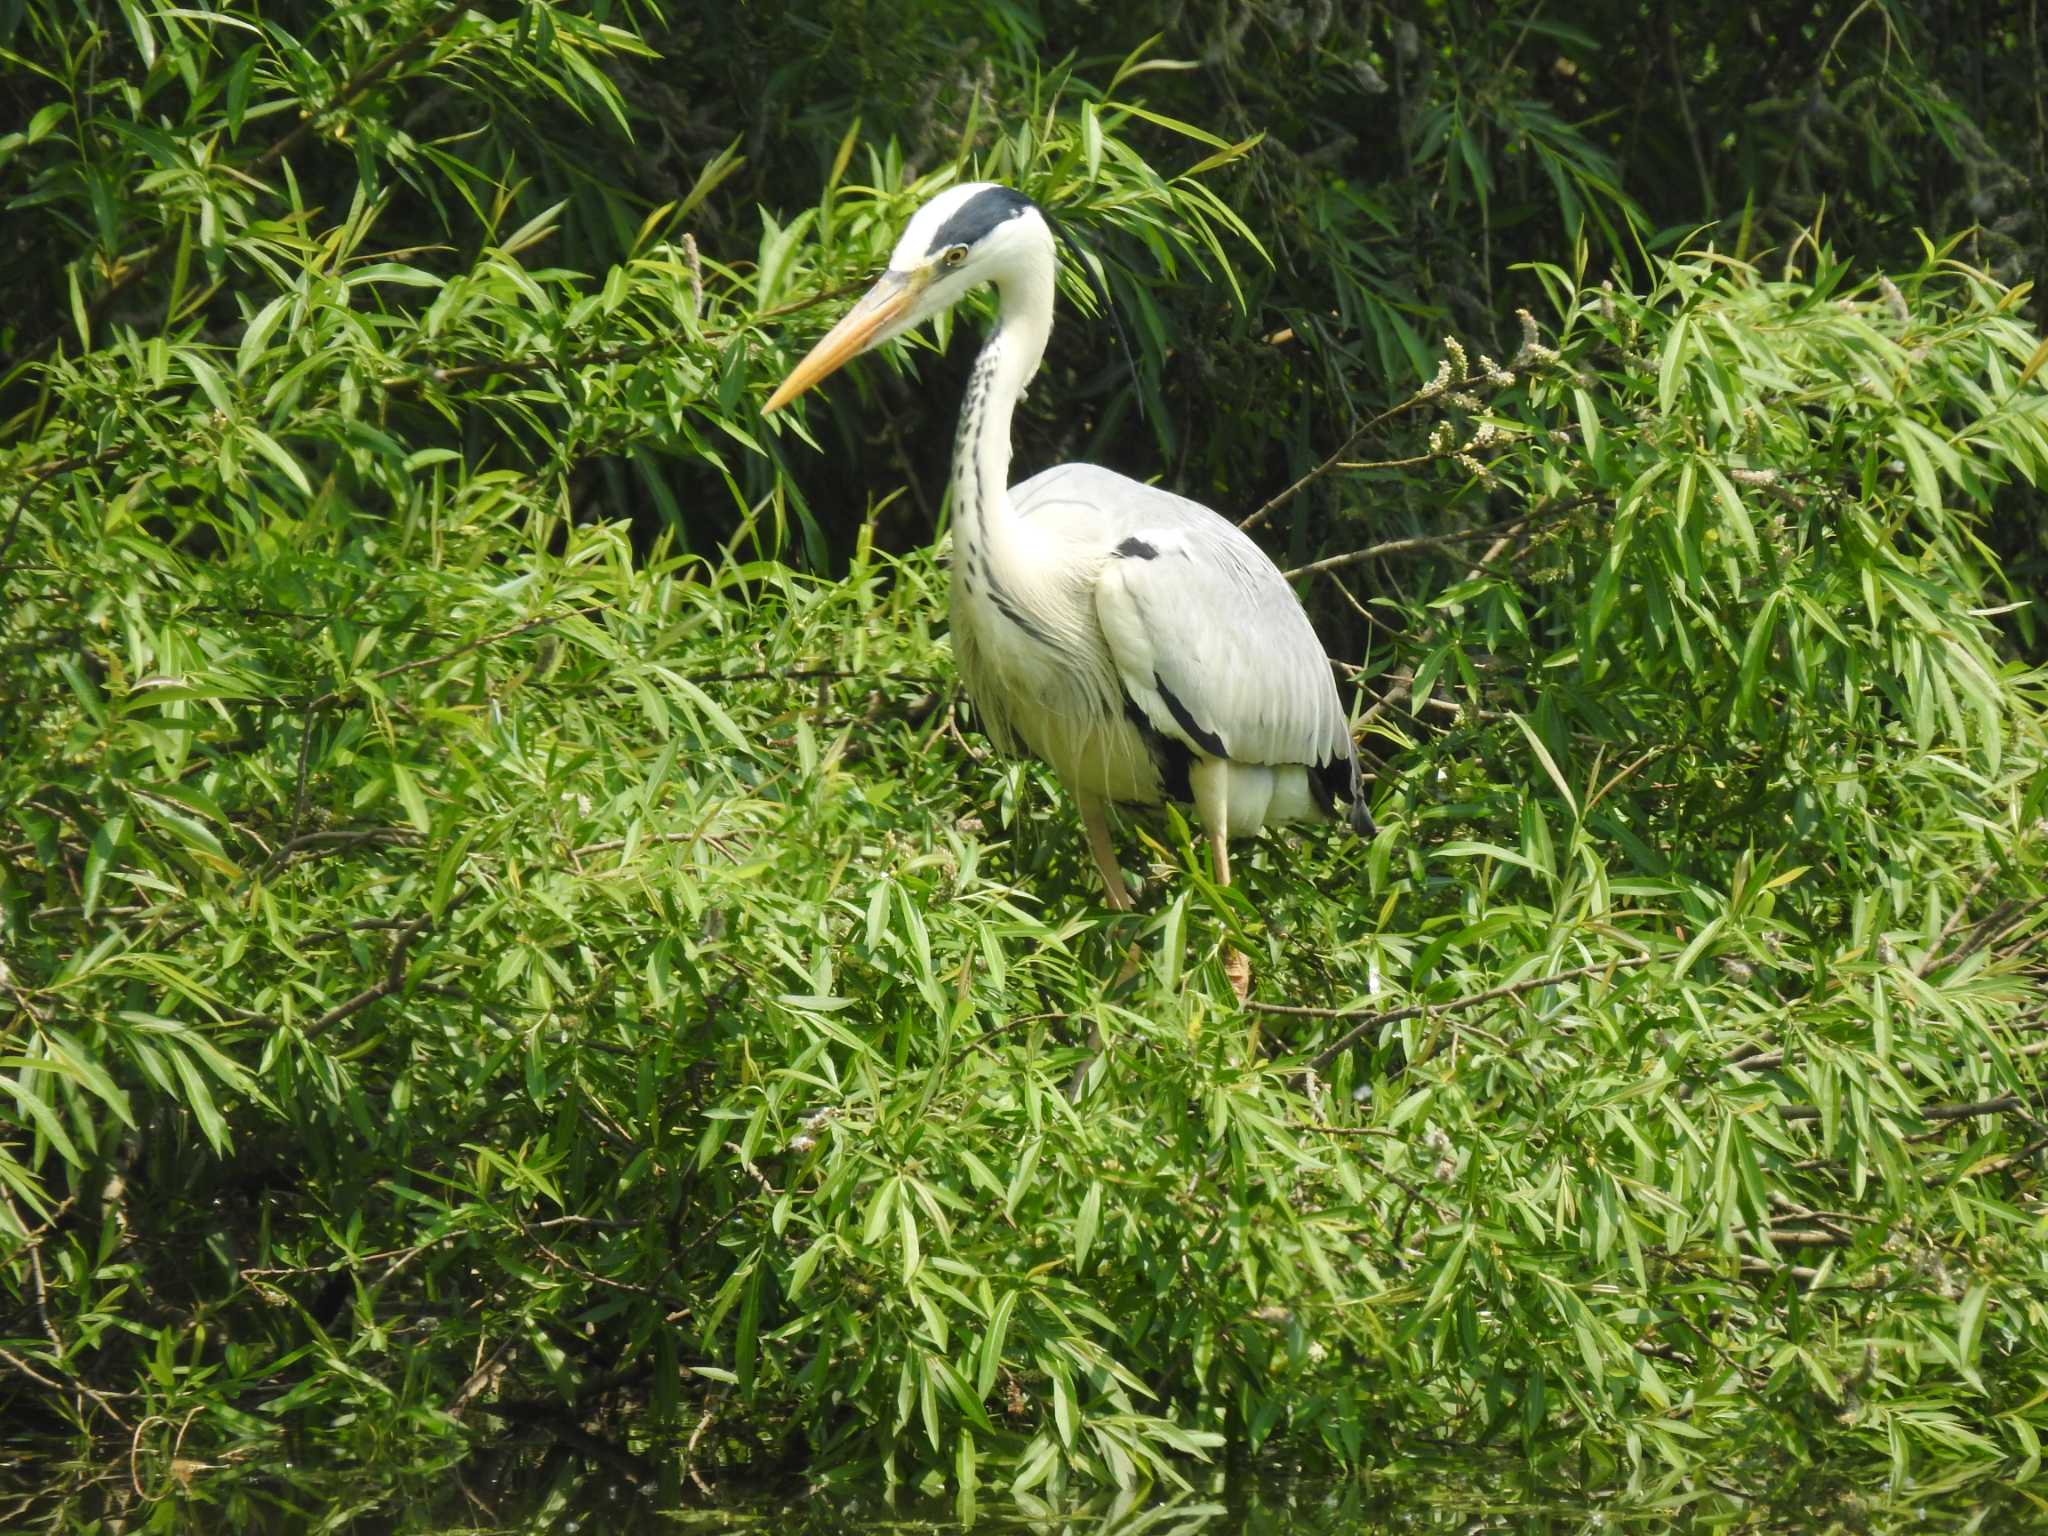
[{"x": 964, "y": 237}]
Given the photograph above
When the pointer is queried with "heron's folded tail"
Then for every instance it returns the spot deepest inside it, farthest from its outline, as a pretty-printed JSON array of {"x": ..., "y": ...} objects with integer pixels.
[
  {"x": 1343, "y": 789},
  {"x": 1361, "y": 818}
]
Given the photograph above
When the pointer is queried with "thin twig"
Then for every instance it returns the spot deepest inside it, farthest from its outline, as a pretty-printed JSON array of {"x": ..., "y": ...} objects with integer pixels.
[
  {"x": 29, "y": 1371},
  {"x": 1933, "y": 956},
  {"x": 487, "y": 1371},
  {"x": 1347, "y": 1130},
  {"x": 394, "y": 971},
  {"x": 654, "y": 840},
  {"x": 1380, "y": 705},
  {"x": 1708, "y": 207},
  {"x": 2003, "y": 1105},
  {"x": 1805, "y": 1237},
  {"x": 2005, "y": 919},
  {"x": 1999, "y": 1165},
  {"x": 334, "y": 696},
  {"x": 1336, "y": 460},
  {"x": 1402, "y": 546},
  {"x": 337, "y": 837},
  {"x": 1601, "y": 793},
  {"x": 1415, "y": 1195},
  {"x": 314, "y": 707},
  {"x": 1371, "y": 1021}
]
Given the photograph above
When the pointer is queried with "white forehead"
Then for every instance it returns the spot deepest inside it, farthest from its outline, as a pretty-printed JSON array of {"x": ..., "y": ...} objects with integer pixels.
[{"x": 962, "y": 215}]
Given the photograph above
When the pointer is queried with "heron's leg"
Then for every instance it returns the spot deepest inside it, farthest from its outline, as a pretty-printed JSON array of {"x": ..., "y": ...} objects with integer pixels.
[
  {"x": 1095, "y": 821},
  {"x": 1219, "y": 853},
  {"x": 1209, "y": 778}
]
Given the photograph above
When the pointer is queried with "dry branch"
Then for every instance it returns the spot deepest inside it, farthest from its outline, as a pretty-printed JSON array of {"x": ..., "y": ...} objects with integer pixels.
[
  {"x": 1336, "y": 460},
  {"x": 1369, "y": 1021}
]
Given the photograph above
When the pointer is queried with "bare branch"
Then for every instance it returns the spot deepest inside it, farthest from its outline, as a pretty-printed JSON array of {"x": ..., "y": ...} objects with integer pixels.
[
  {"x": 1336, "y": 460},
  {"x": 1373, "y": 1020},
  {"x": 1403, "y": 546}
]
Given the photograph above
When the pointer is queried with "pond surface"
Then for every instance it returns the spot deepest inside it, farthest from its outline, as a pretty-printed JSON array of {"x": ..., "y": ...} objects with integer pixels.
[{"x": 561, "y": 1493}]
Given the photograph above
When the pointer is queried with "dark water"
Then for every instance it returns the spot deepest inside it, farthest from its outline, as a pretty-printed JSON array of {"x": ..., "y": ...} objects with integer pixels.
[{"x": 558, "y": 1489}]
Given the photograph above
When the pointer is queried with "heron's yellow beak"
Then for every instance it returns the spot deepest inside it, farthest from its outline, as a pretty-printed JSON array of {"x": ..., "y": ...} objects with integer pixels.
[{"x": 873, "y": 319}]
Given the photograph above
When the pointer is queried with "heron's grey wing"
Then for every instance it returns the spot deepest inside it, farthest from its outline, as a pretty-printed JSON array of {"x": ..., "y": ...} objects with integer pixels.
[{"x": 1208, "y": 639}]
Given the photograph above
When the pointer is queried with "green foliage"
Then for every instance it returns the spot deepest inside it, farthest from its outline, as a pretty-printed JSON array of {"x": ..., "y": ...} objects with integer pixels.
[{"x": 503, "y": 918}]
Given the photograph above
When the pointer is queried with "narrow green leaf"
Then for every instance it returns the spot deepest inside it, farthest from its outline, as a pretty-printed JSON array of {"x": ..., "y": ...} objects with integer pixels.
[
  {"x": 274, "y": 451},
  {"x": 1671, "y": 363},
  {"x": 409, "y": 796},
  {"x": 1970, "y": 1321},
  {"x": 199, "y": 1099},
  {"x": 256, "y": 336},
  {"x": 746, "y": 1342},
  {"x": 108, "y": 841},
  {"x": 1085, "y": 1225},
  {"x": 1549, "y": 764},
  {"x": 990, "y": 1358},
  {"x": 906, "y": 1220},
  {"x": 964, "y": 1473},
  {"x": 47, "y": 1122}
]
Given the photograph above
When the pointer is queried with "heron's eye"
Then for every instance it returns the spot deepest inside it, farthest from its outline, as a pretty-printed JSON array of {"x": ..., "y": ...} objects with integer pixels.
[{"x": 955, "y": 254}]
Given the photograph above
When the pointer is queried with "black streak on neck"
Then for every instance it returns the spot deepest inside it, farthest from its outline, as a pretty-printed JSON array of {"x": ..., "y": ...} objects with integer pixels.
[{"x": 968, "y": 487}]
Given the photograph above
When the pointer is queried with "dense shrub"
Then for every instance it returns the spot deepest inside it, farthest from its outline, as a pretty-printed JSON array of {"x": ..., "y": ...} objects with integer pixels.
[{"x": 504, "y": 916}]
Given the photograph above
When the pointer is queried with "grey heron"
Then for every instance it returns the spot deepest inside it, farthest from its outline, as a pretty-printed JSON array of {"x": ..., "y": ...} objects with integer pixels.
[{"x": 1133, "y": 639}]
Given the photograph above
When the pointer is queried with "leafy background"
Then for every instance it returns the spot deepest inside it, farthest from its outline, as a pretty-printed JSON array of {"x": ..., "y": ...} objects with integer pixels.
[{"x": 507, "y": 928}]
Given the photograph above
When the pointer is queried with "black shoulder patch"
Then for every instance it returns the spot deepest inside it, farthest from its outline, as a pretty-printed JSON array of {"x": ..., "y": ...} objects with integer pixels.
[
  {"x": 977, "y": 216},
  {"x": 1135, "y": 548},
  {"x": 1208, "y": 741}
]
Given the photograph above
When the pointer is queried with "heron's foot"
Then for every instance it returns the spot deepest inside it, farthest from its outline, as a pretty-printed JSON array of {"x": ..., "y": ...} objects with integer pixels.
[
  {"x": 1133, "y": 963},
  {"x": 1116, "y": 895},
  {"x": 1237, "y": 965}
]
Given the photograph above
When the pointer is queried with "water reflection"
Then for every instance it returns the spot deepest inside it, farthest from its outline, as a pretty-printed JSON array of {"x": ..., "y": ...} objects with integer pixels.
[{"x": 563, "y": 1489}]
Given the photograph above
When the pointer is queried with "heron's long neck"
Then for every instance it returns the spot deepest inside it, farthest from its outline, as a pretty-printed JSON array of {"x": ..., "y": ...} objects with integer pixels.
[{"x": 984, "y": 533}]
